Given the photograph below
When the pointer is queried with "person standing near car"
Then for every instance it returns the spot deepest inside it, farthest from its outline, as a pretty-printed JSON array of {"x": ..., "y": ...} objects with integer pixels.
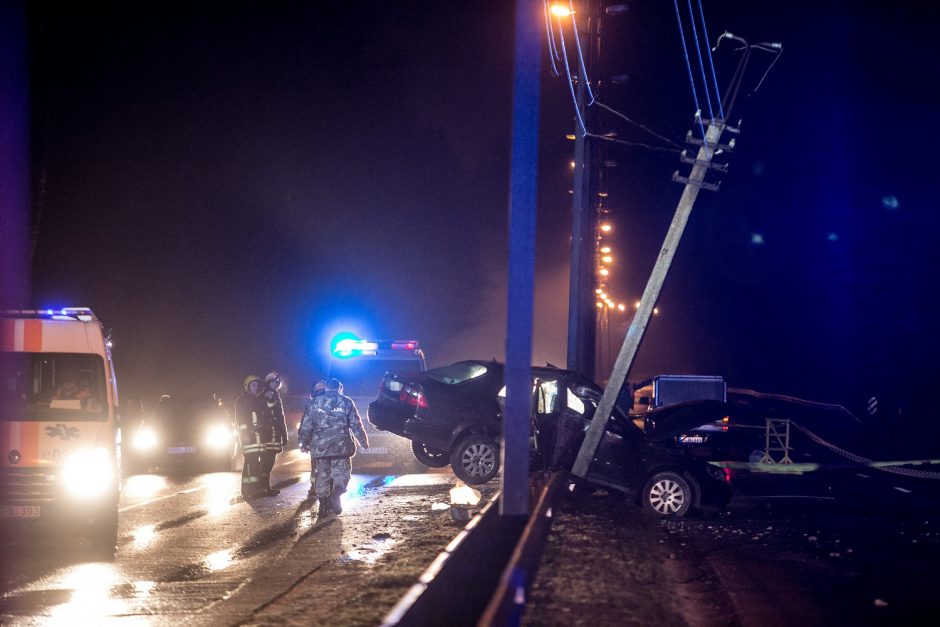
[
  {"x": 317, "y": 389},
  {"x": 250, "y": 412},
  {"x": 329, "y": 424},
  {"x": 274, "y": 433}
]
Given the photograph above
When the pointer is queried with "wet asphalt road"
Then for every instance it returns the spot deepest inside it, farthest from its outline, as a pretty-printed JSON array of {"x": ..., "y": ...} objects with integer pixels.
[{"x": 190, "y": 551}]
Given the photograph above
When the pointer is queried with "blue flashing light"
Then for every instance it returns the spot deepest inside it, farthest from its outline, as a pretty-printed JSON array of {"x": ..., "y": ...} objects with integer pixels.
[{"x": 345, "y": 345}]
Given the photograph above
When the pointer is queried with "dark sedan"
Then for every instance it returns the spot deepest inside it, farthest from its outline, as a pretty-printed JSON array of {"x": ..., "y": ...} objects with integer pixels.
[
  {"x": 453, "y": 415},
  {"x": 182, "y": 435}
]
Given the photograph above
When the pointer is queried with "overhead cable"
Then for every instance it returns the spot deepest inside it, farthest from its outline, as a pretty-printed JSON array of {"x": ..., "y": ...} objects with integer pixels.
[
  {"x": 711, "y": 61},
  {"x": 701, "y": 64},
  {"x": 776, "y": 48},
  {"x": 627, "y": 143},
  {"x": 688, "y": 66},
  {"x": 638, "y": 124},
  {"x": 574, "y": 99},
  {"x": 577, "y": 41},
  {"x": 550, "y": 35}
]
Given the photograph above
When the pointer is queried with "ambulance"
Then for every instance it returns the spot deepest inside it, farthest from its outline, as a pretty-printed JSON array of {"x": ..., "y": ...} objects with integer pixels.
[{"x": 60, "y": 439}]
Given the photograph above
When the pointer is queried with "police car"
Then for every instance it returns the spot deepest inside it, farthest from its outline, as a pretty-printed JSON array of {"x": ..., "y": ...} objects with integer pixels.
[{"x": 360, "y": 366}]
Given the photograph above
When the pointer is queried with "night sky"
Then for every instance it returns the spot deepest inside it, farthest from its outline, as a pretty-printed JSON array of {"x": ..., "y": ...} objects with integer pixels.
[{"x": 226, "y": 185}]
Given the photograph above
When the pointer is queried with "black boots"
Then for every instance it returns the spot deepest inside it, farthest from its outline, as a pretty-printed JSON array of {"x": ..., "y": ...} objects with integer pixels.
[{"x": 335, "y": 503}]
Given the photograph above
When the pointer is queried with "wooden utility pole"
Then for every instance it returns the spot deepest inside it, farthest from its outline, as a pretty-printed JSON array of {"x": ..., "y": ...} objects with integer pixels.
[{"x": 631, "y": 342}]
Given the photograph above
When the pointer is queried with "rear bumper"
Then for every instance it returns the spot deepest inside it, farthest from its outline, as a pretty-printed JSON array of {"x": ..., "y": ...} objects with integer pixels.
[{"x": 387, "y": 418}]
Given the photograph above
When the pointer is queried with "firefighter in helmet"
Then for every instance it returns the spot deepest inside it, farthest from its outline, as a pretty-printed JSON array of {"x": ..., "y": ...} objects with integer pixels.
[
  {"x": 274, "y": 436},
  {"x": 250, "y": 415},
  {"x": 329, "y": 424}
]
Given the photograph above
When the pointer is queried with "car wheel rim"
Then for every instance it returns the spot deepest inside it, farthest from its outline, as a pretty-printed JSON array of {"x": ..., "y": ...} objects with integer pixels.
[
  {"x": 666, "y": 496},
  {"x": 478, "y": 460}
]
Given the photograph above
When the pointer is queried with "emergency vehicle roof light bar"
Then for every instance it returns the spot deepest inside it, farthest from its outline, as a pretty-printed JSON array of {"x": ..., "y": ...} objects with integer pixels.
[
  {"x": 83, "y": 314},
  {"x": 351, "y": 348}
]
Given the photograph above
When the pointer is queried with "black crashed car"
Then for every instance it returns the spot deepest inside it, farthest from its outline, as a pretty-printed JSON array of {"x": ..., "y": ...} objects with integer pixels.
[
  {"x": 773, "y": 448},
  {"x": 453, "y": 414},
  {"x": 182, "y": 435}
]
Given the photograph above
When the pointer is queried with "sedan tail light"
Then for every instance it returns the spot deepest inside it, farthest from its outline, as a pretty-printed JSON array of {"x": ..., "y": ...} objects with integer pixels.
[{"x": 413, "y": 395}]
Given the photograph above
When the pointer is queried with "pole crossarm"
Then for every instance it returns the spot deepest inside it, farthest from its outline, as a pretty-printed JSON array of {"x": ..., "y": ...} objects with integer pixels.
[
  {"x": 717, "y": 167},
  {"x": 631, "y": 342}
]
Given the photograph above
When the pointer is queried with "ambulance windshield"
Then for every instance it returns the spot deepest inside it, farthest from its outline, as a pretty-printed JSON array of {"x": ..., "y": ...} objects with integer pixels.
[{"x": 52, "y": 386}]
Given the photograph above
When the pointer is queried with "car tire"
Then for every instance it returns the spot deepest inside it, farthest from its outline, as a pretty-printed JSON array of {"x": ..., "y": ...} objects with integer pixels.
[
  {"x": 475, "y": 459},
  {"x": 667, "y": 495},
  {"x": 429, "y": 456}
]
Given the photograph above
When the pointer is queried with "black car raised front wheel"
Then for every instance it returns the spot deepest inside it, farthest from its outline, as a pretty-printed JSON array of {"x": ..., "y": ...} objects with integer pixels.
[
  {"x": 475, "y": 459},
  {"x": 667, "y": 494},
  {"x": 429, "y": 456}
]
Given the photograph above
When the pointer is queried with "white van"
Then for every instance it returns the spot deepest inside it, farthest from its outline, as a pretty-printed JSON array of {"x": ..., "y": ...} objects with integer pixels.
[{"x": 59, "y": 423}]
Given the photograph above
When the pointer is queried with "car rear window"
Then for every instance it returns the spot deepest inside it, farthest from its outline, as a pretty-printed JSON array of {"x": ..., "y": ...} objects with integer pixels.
[{"x": 457, "y": 373}]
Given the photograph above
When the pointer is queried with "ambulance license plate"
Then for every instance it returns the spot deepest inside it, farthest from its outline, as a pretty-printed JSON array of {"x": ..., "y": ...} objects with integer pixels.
[
  {"x": 181, "y": 450},
  {"x": 20, "y": 511}
]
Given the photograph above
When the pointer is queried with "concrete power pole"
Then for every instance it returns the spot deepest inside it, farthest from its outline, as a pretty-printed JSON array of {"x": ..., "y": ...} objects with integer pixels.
[
  {"x": 631, "y": 342},
  {"x": 581, "y": 315}
]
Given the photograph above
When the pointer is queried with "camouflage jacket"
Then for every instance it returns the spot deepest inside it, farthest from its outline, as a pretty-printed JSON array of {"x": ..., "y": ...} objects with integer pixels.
[{"x": 329, "y": 424}]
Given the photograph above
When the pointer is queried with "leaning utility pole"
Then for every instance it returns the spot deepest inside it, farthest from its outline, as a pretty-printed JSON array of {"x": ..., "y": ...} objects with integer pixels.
[{"x": 631, "y": 343}]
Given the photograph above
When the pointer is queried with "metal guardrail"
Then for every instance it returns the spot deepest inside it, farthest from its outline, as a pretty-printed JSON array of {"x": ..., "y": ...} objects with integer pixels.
[
  {"x": 508, "y": 601},
  {"x": 484, "y": 575}
]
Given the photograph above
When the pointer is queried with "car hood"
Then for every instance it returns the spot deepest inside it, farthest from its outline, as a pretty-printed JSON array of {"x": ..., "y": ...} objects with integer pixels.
[{"x": 746, "y": 407}]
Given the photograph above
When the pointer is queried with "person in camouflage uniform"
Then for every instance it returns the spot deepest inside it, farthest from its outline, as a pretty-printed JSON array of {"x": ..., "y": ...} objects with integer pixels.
[
  {"x": 275, "y": 433},
  {"x": 327, "y": 429},
  {"x": 318, "y": 389}
]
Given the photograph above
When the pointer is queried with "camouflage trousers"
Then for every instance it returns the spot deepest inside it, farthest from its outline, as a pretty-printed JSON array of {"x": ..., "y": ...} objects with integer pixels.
[{"x": 331, "y": 474}]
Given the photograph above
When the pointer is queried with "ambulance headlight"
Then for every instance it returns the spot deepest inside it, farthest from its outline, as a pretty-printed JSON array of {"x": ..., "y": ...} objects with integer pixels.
[
  {"x": 145, "y": 439},
  {"x": 218, "y": 437},
  {"x": 88, "y": 472}
]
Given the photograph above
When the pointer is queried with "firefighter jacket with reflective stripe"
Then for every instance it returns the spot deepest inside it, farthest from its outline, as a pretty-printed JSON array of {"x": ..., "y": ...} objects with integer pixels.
[
  {"x": 255, "y": 429},
  {"x": 275, "y": 415}
]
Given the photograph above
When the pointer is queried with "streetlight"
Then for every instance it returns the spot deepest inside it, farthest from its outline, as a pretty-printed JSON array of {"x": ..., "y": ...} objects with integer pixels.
[{"x": 559, "y": 10}]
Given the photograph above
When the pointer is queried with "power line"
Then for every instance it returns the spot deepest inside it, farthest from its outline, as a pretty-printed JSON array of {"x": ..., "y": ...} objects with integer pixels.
[
  {"x": 688, "y": 65},
  {"x": 701, "y": 64},
  {"x": 574, "y": 99},
  {"x": 711, "y": 61},
  {"x": 577, "y": 41},
  {"x": 637, "y": 124},
  {"x": 634, "y": 144},
  {"x": 550, "y": 35}
]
